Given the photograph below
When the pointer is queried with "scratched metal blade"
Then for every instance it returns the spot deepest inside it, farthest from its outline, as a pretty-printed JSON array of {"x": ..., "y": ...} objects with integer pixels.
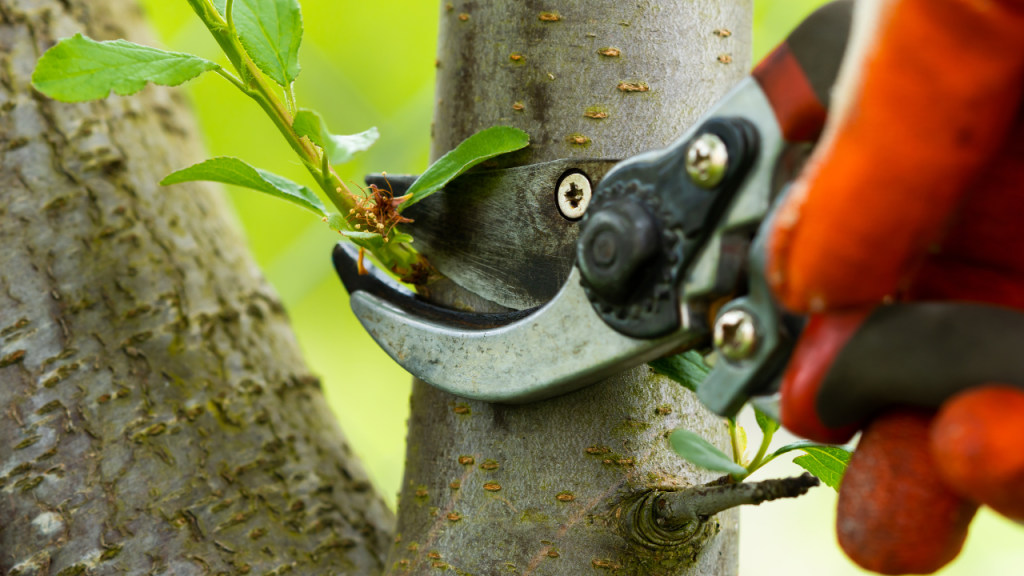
[{"x": 498, "y": 233}]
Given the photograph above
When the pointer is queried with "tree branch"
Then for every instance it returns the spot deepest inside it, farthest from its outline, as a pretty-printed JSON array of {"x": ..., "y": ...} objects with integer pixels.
[{"x": 674, "y": 509}]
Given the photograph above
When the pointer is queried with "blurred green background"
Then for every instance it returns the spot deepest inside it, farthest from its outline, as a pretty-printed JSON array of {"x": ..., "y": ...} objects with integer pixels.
[{"x": 371, "y": 63}]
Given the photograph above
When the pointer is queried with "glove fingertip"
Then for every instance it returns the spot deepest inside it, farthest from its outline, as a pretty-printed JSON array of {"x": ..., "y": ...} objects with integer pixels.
[
  {"x": 895, "y": 515},
  {"x": 975, "y": 444}
]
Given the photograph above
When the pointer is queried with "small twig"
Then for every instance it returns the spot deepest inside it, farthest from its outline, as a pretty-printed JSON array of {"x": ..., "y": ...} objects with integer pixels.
[
  {"x": 758, "y": 460},
  {"x": 290, "y": 97},
  {"x": 674, "y": 509},
  {"x": 325, "y": 170},
  {"x": 235, "y": 81},
  {"x": 229, "y": 14}
]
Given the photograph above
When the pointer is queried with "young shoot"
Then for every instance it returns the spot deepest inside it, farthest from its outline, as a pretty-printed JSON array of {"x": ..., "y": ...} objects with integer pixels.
[
  {"x": 261, "y": 40},
  {"x": 827, "y": 462}
]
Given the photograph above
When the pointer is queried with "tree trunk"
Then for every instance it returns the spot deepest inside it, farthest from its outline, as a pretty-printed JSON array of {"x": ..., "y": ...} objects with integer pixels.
[
  {"x": 552, "y": 487},
  {"x": 155, "y": 414}
]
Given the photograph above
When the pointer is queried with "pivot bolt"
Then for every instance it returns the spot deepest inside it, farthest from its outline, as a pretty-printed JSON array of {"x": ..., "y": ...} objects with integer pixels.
[
  {"x": 616, "y": 244},
  {"x": 574, "y": 194},
  {"x": 707, "y": 159},
  {"x": 736, "y": 336}
]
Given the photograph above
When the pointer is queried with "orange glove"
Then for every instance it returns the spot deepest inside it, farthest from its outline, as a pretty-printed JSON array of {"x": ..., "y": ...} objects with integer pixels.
[{"x": 915, "y": 192}]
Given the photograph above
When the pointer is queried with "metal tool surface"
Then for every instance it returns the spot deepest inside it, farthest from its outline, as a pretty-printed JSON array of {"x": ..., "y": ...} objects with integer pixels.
[
  {"x": 500, "y": 233},
  {"x": 556, "y": 349},
  {"x": 665, "y": 241},
  {"x": 567, "y": 343}
]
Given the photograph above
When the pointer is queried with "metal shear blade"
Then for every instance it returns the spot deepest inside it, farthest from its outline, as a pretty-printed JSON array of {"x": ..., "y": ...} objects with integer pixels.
[
  {"x": 510, "y": 358},
  {"x": 570, "y": 342}
]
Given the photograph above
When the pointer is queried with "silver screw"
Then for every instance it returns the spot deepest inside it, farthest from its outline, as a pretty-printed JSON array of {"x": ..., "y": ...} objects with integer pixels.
[
  {"x": 736, "y": 335},
  {"x": 707, "y": 160},
  {"x": 574, "y": 195}
]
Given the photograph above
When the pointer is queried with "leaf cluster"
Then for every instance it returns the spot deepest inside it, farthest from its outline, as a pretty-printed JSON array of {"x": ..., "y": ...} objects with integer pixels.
[
  {"x": 827, "y": 462},
  {"x": 261, "y": 39}
]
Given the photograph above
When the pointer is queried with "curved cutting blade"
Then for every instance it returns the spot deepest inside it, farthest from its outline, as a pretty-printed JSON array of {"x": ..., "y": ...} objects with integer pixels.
[
  {"x": 530, "y": 355},
  {"x": 499, "y": 233}
]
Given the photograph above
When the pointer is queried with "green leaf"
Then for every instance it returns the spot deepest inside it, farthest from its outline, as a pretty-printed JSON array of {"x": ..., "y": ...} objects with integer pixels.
[
  {"x": 767, "y": 424},
  {"x": 687, "y": 369},
  {"x": 699, "y": 451},
  {"x": 403, "y": 238},
  {"x": 369, "y": 240},
  {"x": 825, "y": 461},
  {"x": 803, "y": 445},
  {"x": 234, "y": 171},
  {"x": 478, "y": 148},
  {"x": 339, "y": 149},
  {"x": 741, "y": 442},
  {"x": 271, "y": 32},
  {"x": 336, "y": 222},
  {"x": 79, "y": 69}
]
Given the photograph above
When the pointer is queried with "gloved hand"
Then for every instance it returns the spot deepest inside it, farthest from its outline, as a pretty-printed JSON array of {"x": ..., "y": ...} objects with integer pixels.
[{"x": 915, "y": 192}]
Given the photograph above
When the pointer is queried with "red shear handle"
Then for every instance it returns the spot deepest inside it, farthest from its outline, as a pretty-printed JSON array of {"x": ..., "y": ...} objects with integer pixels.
[
  {"x": 851, "y": 366},
  {"x": 798, "y": 76}
]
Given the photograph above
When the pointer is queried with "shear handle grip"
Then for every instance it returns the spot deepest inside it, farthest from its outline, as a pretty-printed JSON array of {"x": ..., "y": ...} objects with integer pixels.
[
  {"x": 798, "y": 76},
  {"x": 921, "y": 354}
]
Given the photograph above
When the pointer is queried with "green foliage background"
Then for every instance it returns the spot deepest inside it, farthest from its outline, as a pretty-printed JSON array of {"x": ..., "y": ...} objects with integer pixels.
[{"x": 371, "y": 63}]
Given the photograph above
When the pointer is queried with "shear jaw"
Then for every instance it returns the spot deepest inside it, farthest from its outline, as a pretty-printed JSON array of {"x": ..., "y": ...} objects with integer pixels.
[
  {"x": 576, "y": 339},
  {"x": 558, "y": 348}
]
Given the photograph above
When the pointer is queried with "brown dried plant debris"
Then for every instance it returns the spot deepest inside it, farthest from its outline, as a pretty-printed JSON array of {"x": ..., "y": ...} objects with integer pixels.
[{"x": 376, "y": 211}]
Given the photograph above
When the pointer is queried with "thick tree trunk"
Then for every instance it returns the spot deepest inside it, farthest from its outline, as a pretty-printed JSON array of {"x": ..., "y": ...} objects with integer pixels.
[
  {"x": 155, "y": 414},
  {"x": 551, "y": 487}
]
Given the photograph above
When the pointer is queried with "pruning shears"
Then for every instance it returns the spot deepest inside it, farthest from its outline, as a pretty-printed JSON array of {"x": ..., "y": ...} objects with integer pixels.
[{"x": 669, "y": 255}]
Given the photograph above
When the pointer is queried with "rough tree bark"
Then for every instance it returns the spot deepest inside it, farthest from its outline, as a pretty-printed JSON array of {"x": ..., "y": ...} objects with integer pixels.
[
  {"x": 155, "y": 414},
  {"x": 550, "y": 487}
]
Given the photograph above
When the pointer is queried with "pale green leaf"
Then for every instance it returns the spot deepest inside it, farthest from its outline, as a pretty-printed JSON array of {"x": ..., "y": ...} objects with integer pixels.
[
  {"x": 270, "y": 32},
  {"x": 336, "y": 222},
  {"x": 699, "y": 451},
  {"x": 77, "y": 69},
  {"x": 478, "y": 148},
  {"x": 339, "y": 149},
  {"x": 687, "y": 369},
  {"x": 825, "y": 461},
  {"x": 804, "y": 445},
  {"x": 403, "y": 238},
  {"x": 369, "y": 240},
  {"x": 767, "y": 424},
  {"x": 236, "y": 172}
]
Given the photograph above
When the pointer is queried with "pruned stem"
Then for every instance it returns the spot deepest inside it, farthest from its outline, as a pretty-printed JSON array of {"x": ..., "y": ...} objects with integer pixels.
[
  {"x": 401, "y": 256},
  {"x": 674, "y": 509}
]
